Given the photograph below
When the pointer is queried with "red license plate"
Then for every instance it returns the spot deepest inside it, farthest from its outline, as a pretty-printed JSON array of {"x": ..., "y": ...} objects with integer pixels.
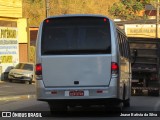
[{"x": 76, "y": 93}]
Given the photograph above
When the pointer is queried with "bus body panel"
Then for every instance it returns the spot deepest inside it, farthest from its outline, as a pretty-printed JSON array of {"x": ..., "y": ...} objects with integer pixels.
[
  {"x": 46, "y": 94},
  {"x": 73, "y": 70}
]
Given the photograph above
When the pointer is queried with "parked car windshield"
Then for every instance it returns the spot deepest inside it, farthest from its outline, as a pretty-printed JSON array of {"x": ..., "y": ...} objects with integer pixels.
[{"x": 24, "y": 66}]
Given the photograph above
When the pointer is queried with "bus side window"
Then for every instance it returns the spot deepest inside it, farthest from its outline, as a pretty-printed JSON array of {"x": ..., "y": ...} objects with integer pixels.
[{"x": 119, "y": 43}]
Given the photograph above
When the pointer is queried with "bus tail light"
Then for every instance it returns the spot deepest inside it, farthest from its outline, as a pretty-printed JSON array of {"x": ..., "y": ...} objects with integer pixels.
[
  {"x": 39, "y": 71},
  {"x": 114, "y": 69}
]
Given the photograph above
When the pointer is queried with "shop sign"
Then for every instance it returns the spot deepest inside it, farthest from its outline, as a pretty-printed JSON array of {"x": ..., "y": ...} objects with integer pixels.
[{"x": 9, "y": 49}]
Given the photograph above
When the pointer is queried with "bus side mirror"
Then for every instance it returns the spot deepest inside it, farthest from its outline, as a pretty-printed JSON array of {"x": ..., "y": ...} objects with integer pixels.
[{"x": 134, "y": 54}]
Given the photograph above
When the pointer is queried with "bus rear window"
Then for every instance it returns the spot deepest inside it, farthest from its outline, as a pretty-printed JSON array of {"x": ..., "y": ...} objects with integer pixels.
[{"x": 76, "y": 35}]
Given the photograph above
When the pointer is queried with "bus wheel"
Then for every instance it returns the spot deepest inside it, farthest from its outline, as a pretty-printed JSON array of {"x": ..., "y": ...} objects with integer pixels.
[
  {"x": 56, "y": 108},
  {"x": 126, "y": 103}
]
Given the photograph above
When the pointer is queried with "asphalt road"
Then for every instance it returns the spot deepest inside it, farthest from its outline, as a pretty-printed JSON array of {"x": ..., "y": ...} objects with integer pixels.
[
  {"x": 139, "y": 104},
  {"x": 16, "y": 88},
  {"x": 21, "y": 97}
]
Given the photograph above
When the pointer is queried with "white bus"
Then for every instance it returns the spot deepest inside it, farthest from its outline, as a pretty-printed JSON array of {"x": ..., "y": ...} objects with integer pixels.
[{"x": 82, "y": 60}]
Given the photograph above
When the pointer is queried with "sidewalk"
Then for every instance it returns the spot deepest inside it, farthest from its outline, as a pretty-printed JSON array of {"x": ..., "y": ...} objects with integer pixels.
[{"x": 1, "y": 81}]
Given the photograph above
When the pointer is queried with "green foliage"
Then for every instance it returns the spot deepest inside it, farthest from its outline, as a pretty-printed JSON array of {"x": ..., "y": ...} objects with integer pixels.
[
  {"x": 127, "y": 9},
  {"x": 35, "y": 10}
]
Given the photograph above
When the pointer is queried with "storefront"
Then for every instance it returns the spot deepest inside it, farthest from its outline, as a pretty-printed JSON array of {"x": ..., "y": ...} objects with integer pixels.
[
  {"x": 13, "y": 36},
  {"x": 9, "y": 50}
]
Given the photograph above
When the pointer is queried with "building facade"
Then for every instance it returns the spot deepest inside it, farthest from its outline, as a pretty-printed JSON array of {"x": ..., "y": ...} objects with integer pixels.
[{"x": 13, "y": 36}]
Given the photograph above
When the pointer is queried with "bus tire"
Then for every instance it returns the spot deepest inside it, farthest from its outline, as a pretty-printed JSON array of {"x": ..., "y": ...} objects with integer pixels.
[
  {"x": 56, "y": 108},
  {"x": 126, "y": 103}
]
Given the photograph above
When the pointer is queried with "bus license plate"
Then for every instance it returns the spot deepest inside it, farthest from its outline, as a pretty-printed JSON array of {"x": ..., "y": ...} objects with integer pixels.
[{"x": 76, "y": 93}]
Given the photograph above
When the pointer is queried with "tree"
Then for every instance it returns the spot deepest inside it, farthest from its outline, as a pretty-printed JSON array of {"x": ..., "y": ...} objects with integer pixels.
[
  {"x": 127, "y": 9},
  {"x": 35, "y": 10}
]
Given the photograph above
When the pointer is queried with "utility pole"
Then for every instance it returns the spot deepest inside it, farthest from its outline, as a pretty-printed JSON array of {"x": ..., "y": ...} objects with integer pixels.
[
  {"x": 47, "y": 8},
  {"x": 157, "y": 19}
]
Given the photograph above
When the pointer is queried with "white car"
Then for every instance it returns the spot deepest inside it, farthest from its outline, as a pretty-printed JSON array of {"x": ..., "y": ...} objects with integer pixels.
[{"x": 22, "y": 72}]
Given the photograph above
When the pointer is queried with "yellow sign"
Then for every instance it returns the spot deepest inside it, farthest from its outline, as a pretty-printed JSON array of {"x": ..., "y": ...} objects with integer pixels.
[
  {"x": 6, "y": 59},
  {"x": 145, "y": 30},
  {"x": 8, "y": 33},
  {"x": 9, "y": 49}
]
